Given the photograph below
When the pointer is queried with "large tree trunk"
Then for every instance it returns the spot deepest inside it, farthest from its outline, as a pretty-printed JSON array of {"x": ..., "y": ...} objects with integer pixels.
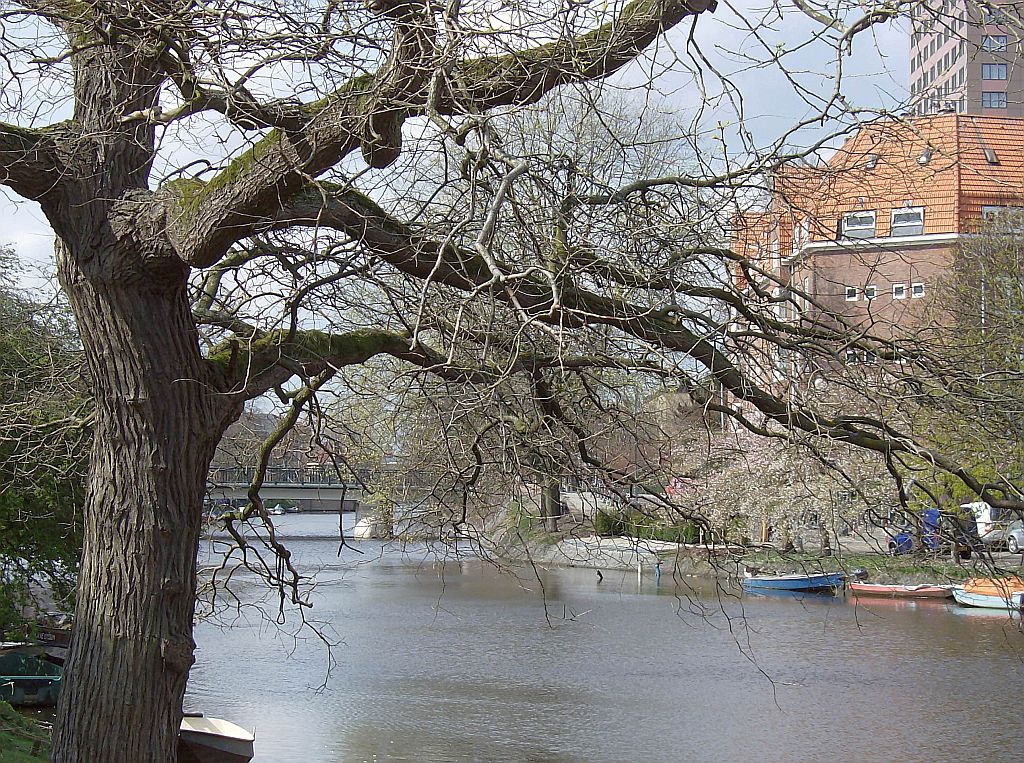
[
  {"x": 157, "y": 424},
  {"x": 551, "y": 503}
]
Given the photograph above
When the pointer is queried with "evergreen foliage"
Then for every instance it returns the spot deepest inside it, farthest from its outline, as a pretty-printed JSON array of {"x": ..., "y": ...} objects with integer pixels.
[{"x": 43, "y": 446}]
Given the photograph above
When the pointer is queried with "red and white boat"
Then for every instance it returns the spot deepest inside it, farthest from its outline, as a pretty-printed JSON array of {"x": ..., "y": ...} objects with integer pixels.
[{"x": 894, "y": 590}]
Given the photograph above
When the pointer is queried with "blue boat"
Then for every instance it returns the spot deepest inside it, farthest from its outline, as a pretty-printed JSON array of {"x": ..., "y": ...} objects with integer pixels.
[
  {"x": 827, "y": 595},
  {"x": 826, "y": 581}
]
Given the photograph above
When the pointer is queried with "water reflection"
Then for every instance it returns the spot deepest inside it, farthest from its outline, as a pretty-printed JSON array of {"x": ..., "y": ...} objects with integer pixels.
[{"x": 454, "y": 661}]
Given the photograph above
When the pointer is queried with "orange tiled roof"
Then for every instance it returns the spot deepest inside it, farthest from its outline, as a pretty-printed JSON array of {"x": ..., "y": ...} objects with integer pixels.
[
  {"x": 982, "y": 182},
  {"x": 937, "y": 162}
]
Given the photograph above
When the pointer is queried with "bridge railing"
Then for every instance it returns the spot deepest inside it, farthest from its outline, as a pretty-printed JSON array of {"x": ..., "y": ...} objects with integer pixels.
[{"x": 281, "y": 475}]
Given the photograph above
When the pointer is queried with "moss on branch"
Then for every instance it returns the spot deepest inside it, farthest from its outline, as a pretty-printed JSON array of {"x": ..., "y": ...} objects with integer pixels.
[
  {"x": 248, "y": 363},
  {"x": 190, "y": 193}
]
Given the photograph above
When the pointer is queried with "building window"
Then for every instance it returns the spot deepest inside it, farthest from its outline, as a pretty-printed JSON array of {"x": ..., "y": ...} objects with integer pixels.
[
  {"x": 859, "y": 224},
  {"x": 870, "y": 292},
  {"x": 991, "y": 100},
  {"x": 993, "y": 43},
  {"x": 1005, "y": 217},
  {"x": 916, "y": 290},
  {"x": 993, "y": 71},
  {"x": 908, "y": 221},
  {"x": 780, "y": 363},
  {"x": 851, "y": 293},
  {"x": 994, "y": 16},
  {"x": 899, "y": 291},
  {"x": 860, "y": 356},
  {"x": 784, "y": 309},
  {"x": 801, "y": 234}
]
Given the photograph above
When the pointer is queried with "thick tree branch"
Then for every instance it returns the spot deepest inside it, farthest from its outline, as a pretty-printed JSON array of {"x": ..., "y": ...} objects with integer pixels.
[
  {"x": 523, "y": 78},
  {"x": 206, "y": 218},
  {"x": 413, "y": 254},
  {"x": 28, "y": 161},
  {"x": 251, "y": 364}
]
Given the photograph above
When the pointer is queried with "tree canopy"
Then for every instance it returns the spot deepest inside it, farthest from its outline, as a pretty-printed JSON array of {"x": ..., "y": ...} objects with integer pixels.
[{"x": 249, "y": 198}]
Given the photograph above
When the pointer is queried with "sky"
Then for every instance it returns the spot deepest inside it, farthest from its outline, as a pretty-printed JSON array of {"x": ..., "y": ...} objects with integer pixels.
[{"x": 874, "y": 76}]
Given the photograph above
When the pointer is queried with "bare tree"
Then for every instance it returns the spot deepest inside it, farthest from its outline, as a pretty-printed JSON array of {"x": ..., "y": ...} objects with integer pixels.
[{"x": 219, "y": 240}]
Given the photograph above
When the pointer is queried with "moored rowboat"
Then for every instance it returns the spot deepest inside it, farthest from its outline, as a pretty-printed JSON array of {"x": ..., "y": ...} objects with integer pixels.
[
  {"x": 1014, "y": 601},
  {"x": 924, "y": 591},
  {"x": 991, "y": 593},
  {"x": 27, "y": 677},
  {"x": 821, "y": 582},
  {"x": 213, "y": 740}
]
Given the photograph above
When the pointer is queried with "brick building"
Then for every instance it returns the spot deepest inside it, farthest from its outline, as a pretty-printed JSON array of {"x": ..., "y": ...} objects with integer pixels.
[
  {"x": 866, "y": 234},
  {"x": 967, "y": 58}
]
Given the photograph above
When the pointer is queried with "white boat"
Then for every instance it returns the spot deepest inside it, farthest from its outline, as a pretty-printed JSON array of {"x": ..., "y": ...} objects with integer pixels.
[
  {"x": 1013, "y": 601},
  {"x": 213, "y": 740}
]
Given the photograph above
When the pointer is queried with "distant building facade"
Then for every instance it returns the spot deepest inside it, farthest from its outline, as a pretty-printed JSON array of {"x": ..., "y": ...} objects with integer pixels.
[
  {"x": 966, "y": 59},
  {"x": 866, "y": 235}
]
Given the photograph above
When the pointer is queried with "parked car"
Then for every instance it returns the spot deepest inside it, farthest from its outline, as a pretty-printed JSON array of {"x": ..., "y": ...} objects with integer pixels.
[
  {"x": 1009, "y": 536},
  {"x": 1015, "y": 540},
  {"x": 936, "y": 533}
]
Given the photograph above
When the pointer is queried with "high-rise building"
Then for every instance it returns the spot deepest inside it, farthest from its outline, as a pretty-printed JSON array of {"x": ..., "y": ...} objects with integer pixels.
[{"x": 966, "y": 58}]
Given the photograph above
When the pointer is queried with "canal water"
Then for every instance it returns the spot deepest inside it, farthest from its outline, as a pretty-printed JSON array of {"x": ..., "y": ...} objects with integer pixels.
[{"x": 455, "y": 660}]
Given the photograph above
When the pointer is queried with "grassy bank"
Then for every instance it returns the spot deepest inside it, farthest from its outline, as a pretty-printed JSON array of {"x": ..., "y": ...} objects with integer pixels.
[
  {"x": 524, "y": 538},
  {"x": 21, "y": 741},
  {"x": 907, "y": 569}
]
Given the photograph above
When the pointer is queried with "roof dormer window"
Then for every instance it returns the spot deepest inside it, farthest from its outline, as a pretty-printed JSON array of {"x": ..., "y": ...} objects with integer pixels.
[
  {"x": 907, "y": 221},
  {"x": 859, "y": 224}
]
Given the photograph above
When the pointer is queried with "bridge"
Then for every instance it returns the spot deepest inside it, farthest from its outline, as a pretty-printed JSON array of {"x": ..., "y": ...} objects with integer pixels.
[{"x": 311, "y": 488}]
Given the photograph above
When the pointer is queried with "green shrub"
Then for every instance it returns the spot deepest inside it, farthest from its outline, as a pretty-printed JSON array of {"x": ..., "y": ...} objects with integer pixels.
[
  {"x": 608, "y": 525},
  {"x": 633, "y": 524}
]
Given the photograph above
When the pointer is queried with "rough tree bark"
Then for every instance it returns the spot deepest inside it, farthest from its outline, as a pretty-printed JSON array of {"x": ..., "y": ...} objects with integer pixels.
[
  {"x": 159, "y": 416},
  {"x": 157, "y": 424},
  {"x": 551, "y": 503}
]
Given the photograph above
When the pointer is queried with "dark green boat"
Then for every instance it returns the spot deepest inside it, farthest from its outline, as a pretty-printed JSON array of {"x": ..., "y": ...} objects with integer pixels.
[{"x": 27, "y": 677}]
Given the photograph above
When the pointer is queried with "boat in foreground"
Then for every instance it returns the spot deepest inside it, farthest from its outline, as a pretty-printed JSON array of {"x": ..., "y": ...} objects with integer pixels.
[
  {"x": 826, "y": 581},
  {"x": 894, "y": 590},
  {"x": 213, "y": 740},
  {"x": 27, "y": 678},
  {"x": 991, "y": 593}
]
